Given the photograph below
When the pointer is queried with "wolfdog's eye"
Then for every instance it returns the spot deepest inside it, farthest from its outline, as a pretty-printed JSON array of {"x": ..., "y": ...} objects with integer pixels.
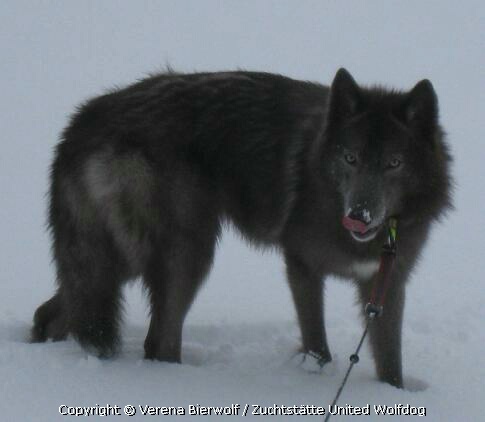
[
  {"x": 394, "y": 163},
  {"x": 350, "y": 158}
]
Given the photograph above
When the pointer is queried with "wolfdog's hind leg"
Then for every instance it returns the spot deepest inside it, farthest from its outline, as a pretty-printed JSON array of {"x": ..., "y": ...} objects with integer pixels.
[
  {"x": 49, "y": 321},
  {"x": 172, "y": 280}
]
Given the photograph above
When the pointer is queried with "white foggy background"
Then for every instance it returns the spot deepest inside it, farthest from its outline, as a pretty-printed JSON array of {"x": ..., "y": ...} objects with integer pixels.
[{"x": 55, "y": 54}]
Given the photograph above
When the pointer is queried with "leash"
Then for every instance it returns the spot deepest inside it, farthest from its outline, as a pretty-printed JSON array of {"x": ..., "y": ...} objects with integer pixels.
[{"x": 375, "y": 307}]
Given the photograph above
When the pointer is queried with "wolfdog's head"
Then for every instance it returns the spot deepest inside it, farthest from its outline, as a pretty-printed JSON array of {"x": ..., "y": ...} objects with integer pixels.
[{"x": 384, "y": 153}]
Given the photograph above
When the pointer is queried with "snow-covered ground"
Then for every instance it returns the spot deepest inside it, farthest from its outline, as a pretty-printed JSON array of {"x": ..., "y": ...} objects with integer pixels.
[{"x": 241, "y": 332}]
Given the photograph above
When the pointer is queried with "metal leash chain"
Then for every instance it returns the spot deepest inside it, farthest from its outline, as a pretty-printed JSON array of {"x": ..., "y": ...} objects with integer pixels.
[
  {"x": 374, "y": 308},
  {"x": 353, "y": 360}
]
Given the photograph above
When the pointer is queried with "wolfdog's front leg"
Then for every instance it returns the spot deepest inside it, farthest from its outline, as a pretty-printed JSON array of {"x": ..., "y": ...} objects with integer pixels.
[
  {"x": 306, "y": 288},
  {"x": 385, "y": 332}
]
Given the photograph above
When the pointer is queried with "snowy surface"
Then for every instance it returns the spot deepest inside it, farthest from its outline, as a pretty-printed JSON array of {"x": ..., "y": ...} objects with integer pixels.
[{"x": 241, "y": 333}]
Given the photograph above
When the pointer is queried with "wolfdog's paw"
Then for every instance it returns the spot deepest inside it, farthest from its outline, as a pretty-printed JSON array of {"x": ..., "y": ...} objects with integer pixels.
[
  {"x": 314, "y": 363},
  {"x": 49, "y": 322},
  {"x": 414, "y": 384}
]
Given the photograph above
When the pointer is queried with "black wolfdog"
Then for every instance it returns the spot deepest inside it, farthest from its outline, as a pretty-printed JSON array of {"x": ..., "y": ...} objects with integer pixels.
[{"x": 145, "y": 176}]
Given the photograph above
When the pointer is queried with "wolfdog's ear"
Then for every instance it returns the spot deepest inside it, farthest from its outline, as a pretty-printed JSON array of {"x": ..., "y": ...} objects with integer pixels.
[
  {"x": 421, "y": 106},
  {"x": 345, "y": 96}
]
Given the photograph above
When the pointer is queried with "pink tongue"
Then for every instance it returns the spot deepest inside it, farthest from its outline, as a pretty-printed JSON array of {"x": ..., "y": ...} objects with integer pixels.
[{"x": 354, "y": 225}]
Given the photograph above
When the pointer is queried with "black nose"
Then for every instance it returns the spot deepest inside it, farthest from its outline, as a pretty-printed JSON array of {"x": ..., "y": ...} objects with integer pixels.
[{"x": 360, "y": 214}]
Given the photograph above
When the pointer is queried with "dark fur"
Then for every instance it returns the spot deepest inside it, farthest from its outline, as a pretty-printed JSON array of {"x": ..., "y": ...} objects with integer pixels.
[{"x": 145, "y": 176}]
